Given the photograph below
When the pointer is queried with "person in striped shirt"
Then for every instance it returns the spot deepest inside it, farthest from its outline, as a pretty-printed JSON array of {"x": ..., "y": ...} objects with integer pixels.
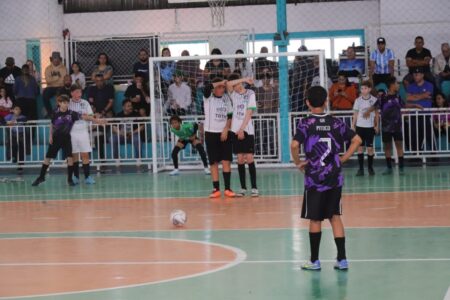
[
  {"x": 382, "y": 62},
  {"x": 243, "y": 131},
  {"x": 186, "y": 133},
  {"x": 81, "y": 141}
]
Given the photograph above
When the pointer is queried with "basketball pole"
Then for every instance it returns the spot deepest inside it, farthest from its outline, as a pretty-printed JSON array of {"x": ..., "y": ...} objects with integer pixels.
[{"x": 282, "y": 41}]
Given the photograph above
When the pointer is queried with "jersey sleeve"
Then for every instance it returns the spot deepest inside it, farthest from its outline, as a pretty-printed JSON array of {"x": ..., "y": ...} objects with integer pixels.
[
  {"x": 373, "y": 56},
  {"x": 252, "y": 102},
  {"x": 356, "y": 105},
  {"x": 300, "y": 134}
]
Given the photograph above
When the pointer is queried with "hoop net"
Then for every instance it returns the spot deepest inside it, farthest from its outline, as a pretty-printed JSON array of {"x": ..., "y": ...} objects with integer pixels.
[{"x": 217, "y": 12}]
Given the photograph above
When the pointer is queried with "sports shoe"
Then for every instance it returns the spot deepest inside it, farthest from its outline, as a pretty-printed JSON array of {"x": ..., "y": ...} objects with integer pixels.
[
  {"x": 401, "y": 171},
  {"x": 71, "y": 183},
  {"x": 255, "y": 193},
  {"x": 341, "y": 265},
  {"x": 371, "y": 172},
  {"x": 241, "y": 193},
  {"x": 174, "y": 172},
  {"x": 313, "y": 266},
  {"x": 360, "y": 172},
  {"x": 229, "y": 194},
  {"x": 38, "y": 181},
  {"x": 75, "y": 180},
  {"x": 388, "y": 171},
  {"x": 207, "y": 171},
  {"x": 215, "y": 194},
  {"x": 89, "y": 180}
]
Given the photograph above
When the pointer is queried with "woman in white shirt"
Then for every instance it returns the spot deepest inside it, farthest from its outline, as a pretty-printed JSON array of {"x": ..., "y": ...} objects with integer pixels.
[{"x": 77, "y": 75}]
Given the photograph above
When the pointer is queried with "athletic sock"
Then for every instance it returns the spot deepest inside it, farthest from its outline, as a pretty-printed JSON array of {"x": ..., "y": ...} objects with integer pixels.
[
  {"x": 340, "y": 244},
  {"x": 175, "y": 151},
  {"x": 252, "y": 171},
  {"x": 241, "y": 170},
  {"x": 69, "y": 173},
  {"x": 314, "y": 243},
  {"x": 76, "y": 169},
  {"x": 227, "y": 180},
  {"x": 44, "y": 169},
  {"x": 389, "y": 162},
  {"x": 370, "y": 161},
  {"x": 401, "y": 162},
  {"x": 86, "y": 170},
  {"x": 361, "y": 161},
  {"x": 216, "y": 185},
  {"x": 202, "y": 153}
]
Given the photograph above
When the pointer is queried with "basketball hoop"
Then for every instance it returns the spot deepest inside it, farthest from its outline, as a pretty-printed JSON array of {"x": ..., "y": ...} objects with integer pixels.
[{"x": 217, "y": 12}]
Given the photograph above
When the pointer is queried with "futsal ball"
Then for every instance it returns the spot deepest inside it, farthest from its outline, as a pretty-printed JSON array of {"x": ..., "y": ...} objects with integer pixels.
[{"x": 178, "y": 217}]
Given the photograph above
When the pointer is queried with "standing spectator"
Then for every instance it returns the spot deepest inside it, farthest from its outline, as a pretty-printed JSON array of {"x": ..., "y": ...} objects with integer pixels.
[
  {"x": 382, "y": 62},
  {"x": 242, "y": 66},
  {"x": 26, "y": 90},
  {"x": 141, "y": 66},
  {"x": 101, "y": 97},
  {"x": 103, "y": 67},
  {"x": 77, "y": 75},
  {"x": 166, "y": 70},
  {"x": 16, "y": 136},
  {"x": 418, "y": 57},
  {"x": 351, "y": 67},
  {"x": 217, "y": 67},
  {"x": 33, "y": 72},
  {"x": 342, "y": 94},
  {"x": 9, "y": 74},
  {"x": 442, "y": 66},
  {"x": 54, "y": 77},
  {"x": 138, "y": 92},
  {"x": 65, "y": 90},
  {"x": 267, "y": 97},
  {"x": 420, "y": 92},
  {"x": 301, "y": 76},
  {"x": 179, "y": 97},
  {"x": 262, "y": 63},
  {"x": 6, "y": 103}
]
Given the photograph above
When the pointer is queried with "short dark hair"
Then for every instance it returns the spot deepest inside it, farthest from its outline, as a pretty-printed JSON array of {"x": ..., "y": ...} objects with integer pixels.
[
  {"x": 139, "y": 74},
  {"x": 143, "y": 50},
  {"x": 367, "y": 83},
  {"x": 216, "y": 80},
  {"x": 175, "y": 118},
  {"x": 234, "y": 76},
  {"x": 317, "y": 96},
  {"x": 63, "y": 98},
  {"x": 391, "y": 81},
  {"x": 125, "y": 101},
  {"x": 75, "y": 87},
  {"x": 216, "y": 51},
  {"x": 419, "y": 37}
]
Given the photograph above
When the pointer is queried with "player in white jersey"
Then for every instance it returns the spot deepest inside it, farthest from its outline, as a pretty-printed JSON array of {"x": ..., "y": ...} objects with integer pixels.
[
  {"x": 218, "y": 112},
  {"x": 81, "y": 141},
  {"x": 242, "y": 129},
  {"x": 365, "y": 127}
]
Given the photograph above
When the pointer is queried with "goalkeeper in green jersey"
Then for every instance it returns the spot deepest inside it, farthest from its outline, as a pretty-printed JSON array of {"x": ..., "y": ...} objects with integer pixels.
[{"x": 186, "y": 133}]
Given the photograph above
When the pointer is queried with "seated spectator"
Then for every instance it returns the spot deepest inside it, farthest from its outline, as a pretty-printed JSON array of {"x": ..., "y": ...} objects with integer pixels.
[
  {"x": 128, "y": 131},
  {"x": 141, "y": 66},
  {"x": 216, "y": 68},
  {"x": 242, "y": 66},
  {"x": 6, "y": 103},
  {"x": 33, "y": 72},
  {"x": 26, "y": 90},
  {"x": 342, "y": 94},
  {"x": 9, "y": 74},
  {"x": 77, "y": 75},
  {"x": 138, "y": 92},
  {"x": 418, "y": 57},
  {"x": 267, "y": 96},
  {"x": 101, "y": 97},
  {"x": 179, "y": 97},
  {"x": 442, "y": 65},
  {"x": 54, "y": 77},
  {"x": 300, "y": 78},
  {"x": 65, "y": 90},
  {"x": 382, "y": 61},
  {"x": 262, "y": 63},
  {"x": 193, "y": 75},
  {"x": 16, "y": 136},
  {"x": 441, "y": 122},
  {"x": 166, "y": 70},
  {"x": 103, "y": 67},
  {"x": 352, "y": 67}
]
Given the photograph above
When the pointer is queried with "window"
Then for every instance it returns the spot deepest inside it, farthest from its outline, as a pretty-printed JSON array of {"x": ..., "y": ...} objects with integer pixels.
[
  {"x": 319, "y": 44},
  {"x": 194, "y": 48},
  {"x": 341, "y": 44}
]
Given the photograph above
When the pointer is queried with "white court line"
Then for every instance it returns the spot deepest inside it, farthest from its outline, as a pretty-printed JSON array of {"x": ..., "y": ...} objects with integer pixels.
[
  {"x": 447, "y": 296},
  {"x": 383, "y": 208}
]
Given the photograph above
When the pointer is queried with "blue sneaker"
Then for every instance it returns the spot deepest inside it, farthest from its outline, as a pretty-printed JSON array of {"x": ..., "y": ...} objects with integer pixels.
[
  {"x": 89, "y": 180},
  {"x": 341, "y": 265},
  {"x": 313, "y": 266},
  {"x": 75, "y": 180}
]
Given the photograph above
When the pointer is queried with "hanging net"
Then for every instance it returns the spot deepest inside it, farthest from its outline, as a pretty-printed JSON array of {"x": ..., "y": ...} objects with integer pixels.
[{"x": 217, "y": 12}]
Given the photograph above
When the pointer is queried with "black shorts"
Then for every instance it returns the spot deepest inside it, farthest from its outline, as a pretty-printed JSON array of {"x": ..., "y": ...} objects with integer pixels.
[
  {"x": 388, "y": 136},
  {"x": 319, "y": 206},
  {"x": 186, "y": 142},
  {"x": 366, "y": 134},
  {"x": 218, "y": 150},
  {"x": 63, "y": 143},
  {"x": 247, "y": 145}
]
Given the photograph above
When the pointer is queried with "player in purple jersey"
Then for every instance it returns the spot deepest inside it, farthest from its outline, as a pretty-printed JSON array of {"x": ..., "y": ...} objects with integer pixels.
[{"x": 323, "y": 138}]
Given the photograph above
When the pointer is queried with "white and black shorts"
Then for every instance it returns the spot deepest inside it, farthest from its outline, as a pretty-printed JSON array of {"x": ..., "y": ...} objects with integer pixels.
[
  {"x": 81, "y": 142},
  {"x": 247, "y": 145},
  {"x": 318, "y": 206}
]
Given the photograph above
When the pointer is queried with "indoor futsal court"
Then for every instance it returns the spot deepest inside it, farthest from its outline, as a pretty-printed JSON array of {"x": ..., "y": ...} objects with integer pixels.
[{"x": 115, "y": 241}]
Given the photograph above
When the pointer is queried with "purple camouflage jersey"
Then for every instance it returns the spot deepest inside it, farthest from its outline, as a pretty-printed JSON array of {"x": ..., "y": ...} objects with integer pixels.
[
  {"x": 323, "y": 137},
  {"x": 391, "y": 112}
]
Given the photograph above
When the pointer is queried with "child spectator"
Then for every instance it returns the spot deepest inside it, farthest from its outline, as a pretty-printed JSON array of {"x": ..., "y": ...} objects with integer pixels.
[
  {"x": 5, "y": 103},
  {"x": 15, "y": 139},
  {"x": 77, "y": 75},
  {"x": 441, "y": 122}
]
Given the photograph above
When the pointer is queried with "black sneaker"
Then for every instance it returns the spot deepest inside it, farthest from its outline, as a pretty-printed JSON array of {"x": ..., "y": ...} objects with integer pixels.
[
  {"x": 71, "y": 183},
  {"x": 371, "y": 172},
  {"x": 38, "y": 181},
  {"x": 360, "y": 172}
]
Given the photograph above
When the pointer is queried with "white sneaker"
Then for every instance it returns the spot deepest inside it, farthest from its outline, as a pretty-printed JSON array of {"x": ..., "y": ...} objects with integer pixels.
[
  {"x": 241, "y": 193},
  {"x": 174, "y": 172},
  {"x": 207, "y": 171},
  {"x": 255, "y": 193}
]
